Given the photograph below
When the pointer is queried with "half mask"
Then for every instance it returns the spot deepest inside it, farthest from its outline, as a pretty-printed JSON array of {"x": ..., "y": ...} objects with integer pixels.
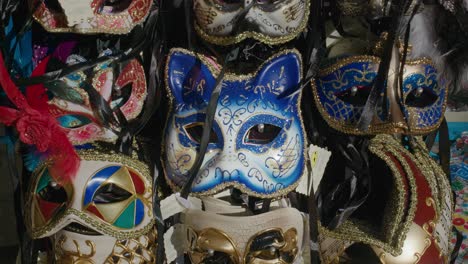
[
  {"x": 268, "y": 21},
  {"x": 90, "y": 16},
  {"x": 257, "y": 140},
  {"x": 412, "y": 105},
  {"x": 74, "y": 111}
]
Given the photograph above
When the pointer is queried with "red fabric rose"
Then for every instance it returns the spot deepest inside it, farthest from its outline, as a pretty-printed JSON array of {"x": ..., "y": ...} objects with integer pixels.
[{"x": 35, "y": 129}]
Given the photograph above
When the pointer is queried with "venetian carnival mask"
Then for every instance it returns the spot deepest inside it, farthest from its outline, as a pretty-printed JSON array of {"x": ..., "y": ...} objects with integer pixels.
[
  {"x": 407, "y": 217},
  {"x": 90, "y": 16},
  {"x": 415, "y": 107},
  {"x": 103, "y": 213},
  {"x": 273, "y": 237},
  {"x": 268, "y": 21},
  {"x": 257, "y": 140},
  {"x": 78, "y": 119}
]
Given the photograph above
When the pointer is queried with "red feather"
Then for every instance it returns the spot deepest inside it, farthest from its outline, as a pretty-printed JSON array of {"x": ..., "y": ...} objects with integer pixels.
[{"x": 36, "y": 126}]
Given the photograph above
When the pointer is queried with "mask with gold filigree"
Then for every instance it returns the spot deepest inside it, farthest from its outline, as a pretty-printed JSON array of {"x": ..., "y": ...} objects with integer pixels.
[
  {"x": 70, "y": 103},
  {"x": 90, "y": 16},
  {"x": 215, "y": 238},
  {"x": 104, "y": 213},
  {"x": 407, "y": 216},
  {"x": 257, "y": 140},
  {"x": 413, "y": 104},
  {"x": 268, "y": 21}
]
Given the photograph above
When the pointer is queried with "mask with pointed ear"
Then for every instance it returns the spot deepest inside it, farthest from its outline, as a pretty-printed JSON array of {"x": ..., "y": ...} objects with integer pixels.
[
  {"x": 74, "y": 112},
  {"x": 257, "y": 139}
]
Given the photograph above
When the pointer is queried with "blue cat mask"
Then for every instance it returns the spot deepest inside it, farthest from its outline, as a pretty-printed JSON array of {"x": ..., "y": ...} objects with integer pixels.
[{"x": 257, "y": 141}]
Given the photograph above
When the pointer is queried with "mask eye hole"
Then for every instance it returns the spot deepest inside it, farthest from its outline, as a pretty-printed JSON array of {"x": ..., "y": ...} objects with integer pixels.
[
  {"x": 73, "y": 121},
  {"x": 356, "y": 95},
  {"x": 218, "y": 257},
  {"x": 195, "y": 132},
  {"x": 121, "y": 96},
  {"x": 54, "y": 193},
  {"x": 421, "y": 97},
  {"x": 262, "y": 134},
  {"x": 115, "y": 6},
  {"x": 110, "y": 193},
  {"x": 53, "y": 5}
]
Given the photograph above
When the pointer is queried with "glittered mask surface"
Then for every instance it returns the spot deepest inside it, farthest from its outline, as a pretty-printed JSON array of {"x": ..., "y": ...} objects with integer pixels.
[
  {"x": 77, "y": 116},
  {"x": 111, "y": 195},
  {"x": 257, "y": 140},
  {"x": 417, "y": 107},
  {"x": 90, "y": 16},
  {"x": 269, "y": 21}
]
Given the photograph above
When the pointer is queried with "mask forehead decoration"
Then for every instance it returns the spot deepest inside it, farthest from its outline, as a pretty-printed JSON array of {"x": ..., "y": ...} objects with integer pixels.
[
  {"x": 213, "y": 237},
  {"x": 271, "y": 22},
  {"x": 417, "y": 107},
  {"x": 90, "y": 16},
  {"x": 74, "y": 112},
  {"x": 111, "y": 196},
  {"x": 257, "y": 140}
]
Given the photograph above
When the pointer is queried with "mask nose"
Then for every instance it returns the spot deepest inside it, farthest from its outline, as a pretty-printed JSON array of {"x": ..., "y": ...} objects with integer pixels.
[{"x": 393, "y": 92}]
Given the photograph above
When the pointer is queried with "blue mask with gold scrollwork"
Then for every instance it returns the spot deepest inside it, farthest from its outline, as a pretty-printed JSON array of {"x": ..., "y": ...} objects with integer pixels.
[
  {"x": 257, "y": 140},
  {"x": 417, "y": 107}
]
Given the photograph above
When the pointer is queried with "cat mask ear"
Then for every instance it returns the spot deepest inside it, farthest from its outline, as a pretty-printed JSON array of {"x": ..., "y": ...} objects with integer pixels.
[
  {"x": 282, "y": 74},
  {"x": 190, "y": 78}
]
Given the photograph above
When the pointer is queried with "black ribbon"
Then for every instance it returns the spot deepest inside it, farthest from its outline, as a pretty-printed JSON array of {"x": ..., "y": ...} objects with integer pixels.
[
  {"x": 338, "y": 202},
  {"x": 207, "y": 126},
  {"x": 397, "y": 9},
  {"x": 205, "y": 139}
]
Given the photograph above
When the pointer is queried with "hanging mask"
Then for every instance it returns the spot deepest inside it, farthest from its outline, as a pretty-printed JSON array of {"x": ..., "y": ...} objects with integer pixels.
[
  {"x": 269, "y": 21},
  {"x": 417, "y": 107},
  {"x": 273, "y": 237},
  {"x": 257, "y": 139},
  {"x": 74, "y": 112},
  {"x": 90, "y": 16},
  {"x": 106, "y": 206},
  {"x": 407, "y": 217}
]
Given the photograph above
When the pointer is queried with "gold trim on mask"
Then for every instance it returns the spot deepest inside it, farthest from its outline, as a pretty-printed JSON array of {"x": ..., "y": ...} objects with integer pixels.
[
  {"x": 64, "y": 256},
  {"x": 270, "y": 40}
]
